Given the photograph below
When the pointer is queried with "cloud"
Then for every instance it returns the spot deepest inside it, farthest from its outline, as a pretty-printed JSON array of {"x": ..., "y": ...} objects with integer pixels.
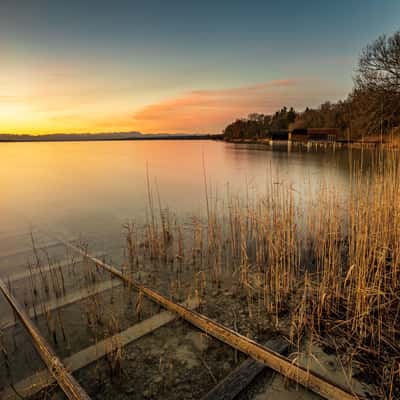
[
  {"x": 211, "y": 110},
  {"x": 52, "y": 105}
]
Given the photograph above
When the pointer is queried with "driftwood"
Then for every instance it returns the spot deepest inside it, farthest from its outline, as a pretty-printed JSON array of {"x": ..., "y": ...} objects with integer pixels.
[
  {"x": 65, "y": 380},
  {"x": 241, "y": 377},
  {"x": 282, "y": 365}
]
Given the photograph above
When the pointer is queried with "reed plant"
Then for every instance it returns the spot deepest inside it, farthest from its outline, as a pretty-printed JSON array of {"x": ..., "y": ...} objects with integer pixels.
[{"x": 323, "y": 268}]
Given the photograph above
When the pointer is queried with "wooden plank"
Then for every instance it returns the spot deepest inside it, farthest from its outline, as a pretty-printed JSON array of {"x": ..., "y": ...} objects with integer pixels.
[
  {"x": 241, "y": 377},
  {"x": 310, "y": 380},
  {"x": 42, "y": 379},
  {"x": 95, "y": 352},
  {"x": 48, "y": 268},
  {"x": 63, "y": 301},
  {"x": 28, "y": 249},
  {"x": 65, "y": 380}
]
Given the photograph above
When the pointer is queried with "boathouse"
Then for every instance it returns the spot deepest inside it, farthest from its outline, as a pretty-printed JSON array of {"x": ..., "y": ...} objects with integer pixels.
[
  {"x": 279, "y": 135},
  {"x": 314, "y": 134}
]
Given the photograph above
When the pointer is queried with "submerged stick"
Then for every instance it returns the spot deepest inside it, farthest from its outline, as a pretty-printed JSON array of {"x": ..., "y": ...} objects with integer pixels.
[
  {"x": 65, "y": 380},
  {"x": 275, "y": 361}
]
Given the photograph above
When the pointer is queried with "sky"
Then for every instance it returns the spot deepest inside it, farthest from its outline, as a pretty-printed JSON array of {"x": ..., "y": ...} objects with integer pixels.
[{"x": 176, "y": 66}]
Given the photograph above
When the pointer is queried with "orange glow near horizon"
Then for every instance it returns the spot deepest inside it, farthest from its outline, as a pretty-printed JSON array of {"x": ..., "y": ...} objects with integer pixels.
[
  {"x": 78, "y": 67},
  {"x": 211, "y": 110},
  {"x": 57, "y": 103}
]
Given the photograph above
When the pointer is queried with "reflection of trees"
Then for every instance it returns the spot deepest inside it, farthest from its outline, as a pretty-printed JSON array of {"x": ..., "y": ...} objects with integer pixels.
[{"x": 299, "y": 162}]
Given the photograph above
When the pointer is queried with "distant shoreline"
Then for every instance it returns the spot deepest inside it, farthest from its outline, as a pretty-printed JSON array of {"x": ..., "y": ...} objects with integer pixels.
[
  {"x": 110, "y": 139},
  {"x": 367, "y": 142}
]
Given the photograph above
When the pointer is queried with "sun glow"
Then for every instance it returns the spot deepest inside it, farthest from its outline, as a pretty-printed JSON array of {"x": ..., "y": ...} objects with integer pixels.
[{"x": 43, "y": 99}]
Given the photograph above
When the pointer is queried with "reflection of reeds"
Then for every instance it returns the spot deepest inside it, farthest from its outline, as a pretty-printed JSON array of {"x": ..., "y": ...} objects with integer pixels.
[
  {"x": 4, "y": 353},
  {"x": 38, "y": 267},
  {"x": 114, "y": 353},
  {"x": 7, "y": 365},
  {"x": 131, "y": 244}
]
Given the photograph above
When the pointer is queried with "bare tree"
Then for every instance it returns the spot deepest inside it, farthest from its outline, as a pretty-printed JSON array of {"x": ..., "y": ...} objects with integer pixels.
[
  {"x": 379, "y": 64},
  {"x": 377, "y": 85}
]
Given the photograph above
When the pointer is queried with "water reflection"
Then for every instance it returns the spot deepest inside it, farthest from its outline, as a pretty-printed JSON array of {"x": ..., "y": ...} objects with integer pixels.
[{"x": 87, "y": 185}]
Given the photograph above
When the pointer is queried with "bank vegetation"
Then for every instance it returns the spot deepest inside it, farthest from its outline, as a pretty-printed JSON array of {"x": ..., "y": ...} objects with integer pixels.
[{"x": 370, "y": 112}]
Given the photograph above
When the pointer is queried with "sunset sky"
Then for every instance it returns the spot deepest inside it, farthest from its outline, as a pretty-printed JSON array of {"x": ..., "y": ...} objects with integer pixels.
[{"x": 176, "y": 66}]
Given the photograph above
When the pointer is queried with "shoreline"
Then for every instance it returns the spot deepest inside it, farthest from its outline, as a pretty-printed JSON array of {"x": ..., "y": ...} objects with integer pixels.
[
  {"x": 188, "y": 137},
  {"x": 319, "y": 143}
]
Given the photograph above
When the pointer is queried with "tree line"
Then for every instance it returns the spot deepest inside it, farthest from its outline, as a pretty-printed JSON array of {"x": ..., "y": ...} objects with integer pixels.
[{"x": 371, "y": 109}]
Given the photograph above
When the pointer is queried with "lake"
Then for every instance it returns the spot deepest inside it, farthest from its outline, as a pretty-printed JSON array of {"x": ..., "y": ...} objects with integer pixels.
[
  {"x": 241, "y": 269},
  {"x": 90, "y": 189}
]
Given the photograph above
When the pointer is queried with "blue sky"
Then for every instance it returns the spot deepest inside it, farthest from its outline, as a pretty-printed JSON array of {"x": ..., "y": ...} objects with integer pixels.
[{"x": 101, "y": 65}]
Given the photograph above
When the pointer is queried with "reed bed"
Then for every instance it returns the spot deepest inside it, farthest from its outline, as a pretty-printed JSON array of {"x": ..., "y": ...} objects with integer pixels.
[{"x": 323, "y": 270}]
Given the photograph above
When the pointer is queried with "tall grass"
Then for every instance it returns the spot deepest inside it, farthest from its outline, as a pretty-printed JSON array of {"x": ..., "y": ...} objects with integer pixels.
[
  {"x": 326, "y": 268},
  {"x": 320, "y": 269}
]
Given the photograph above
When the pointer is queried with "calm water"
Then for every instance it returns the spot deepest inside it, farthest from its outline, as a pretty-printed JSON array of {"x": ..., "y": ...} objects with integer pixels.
[
  {"x": 87, "y": 190},
  {"x": 91, "y": 188}
]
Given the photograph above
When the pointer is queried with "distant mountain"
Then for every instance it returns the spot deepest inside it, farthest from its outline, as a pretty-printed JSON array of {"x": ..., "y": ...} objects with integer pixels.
[
  {"x": 70, "y": 136},
  {"x": 65, "y": 137}
]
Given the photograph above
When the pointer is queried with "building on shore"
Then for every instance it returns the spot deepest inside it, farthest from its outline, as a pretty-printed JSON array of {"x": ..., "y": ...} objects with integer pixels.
[
  {"x": 282, "y": 135},
  {"x": 313, "y": 134}
]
